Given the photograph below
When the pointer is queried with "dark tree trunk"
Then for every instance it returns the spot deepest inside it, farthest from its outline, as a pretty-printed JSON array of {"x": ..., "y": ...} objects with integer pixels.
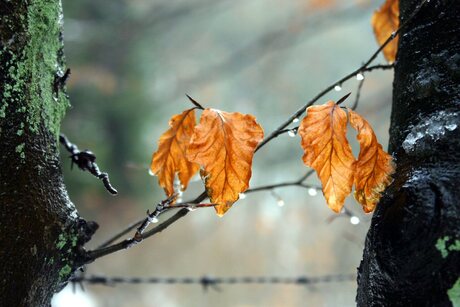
[
  {"x": 411, "y": 256},
  {"x": 41, "y": 234}
]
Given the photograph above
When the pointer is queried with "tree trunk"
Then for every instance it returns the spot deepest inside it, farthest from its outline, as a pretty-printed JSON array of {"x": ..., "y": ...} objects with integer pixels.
[
  {"x": 411, "y": 256},
  {"x": 41, "y": 233}
]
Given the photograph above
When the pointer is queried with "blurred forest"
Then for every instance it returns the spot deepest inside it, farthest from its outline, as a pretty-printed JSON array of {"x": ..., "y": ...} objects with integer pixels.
[{"x": 132, "y": 63}]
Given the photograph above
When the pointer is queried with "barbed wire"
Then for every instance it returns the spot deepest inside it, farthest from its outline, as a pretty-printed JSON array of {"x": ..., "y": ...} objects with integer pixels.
[
  {"x": 86, "y": 161},
  {"x": 212, "y": 282}
]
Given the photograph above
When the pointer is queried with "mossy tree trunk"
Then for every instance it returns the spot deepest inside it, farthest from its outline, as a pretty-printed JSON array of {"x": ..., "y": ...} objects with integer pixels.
[
  {"x": 411, "y": 256},
  {"x": 41, "y": 234}
]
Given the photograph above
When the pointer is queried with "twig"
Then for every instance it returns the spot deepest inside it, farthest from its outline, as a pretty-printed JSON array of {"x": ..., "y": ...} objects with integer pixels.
[
  {"x": 361, "y": 83},
  {"x": 358, "y": 94},
  {"x": 207, "y": 281},
  {"x": 153, "y": 217},
  {"x": 86, "y": 161},
  {"x": 305, "y": 177},
  {"x": 280, "y": 185},
  {"x": 202, "y": 197},
  {"x": 120, "y": 234},
  {"x": 364, "y": 68},
  {"x": 100, "y": 252}
]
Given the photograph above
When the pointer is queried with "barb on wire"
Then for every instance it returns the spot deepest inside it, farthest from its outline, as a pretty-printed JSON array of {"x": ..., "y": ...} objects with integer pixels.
[
  {"x": 212, "y": 282},
  {"x": 86, "y": 161}
]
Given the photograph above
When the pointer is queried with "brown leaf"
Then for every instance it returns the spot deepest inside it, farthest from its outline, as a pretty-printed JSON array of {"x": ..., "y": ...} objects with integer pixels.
[
  {"x": 374, "y": 166},
  {"x": 385, "y": 21},
  {"x": 326, "y": 149},
  {"x": 170, "y": 157},
  {"x": 224, "y": 144}
]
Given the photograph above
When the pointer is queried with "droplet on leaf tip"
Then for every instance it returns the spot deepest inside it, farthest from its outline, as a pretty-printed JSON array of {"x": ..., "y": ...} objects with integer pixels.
[
  {"x": 360, "y": 77},
  {"x": 151, "y": 173},
  {"x": 280, "y": 202},
  {"x": 291, "y": 133},
  {"x": 354, "y": 220},
  {"x": 337, "y": 88},
  {"x": 242, "y": 196},
  {"x": 312, "y": 191}
]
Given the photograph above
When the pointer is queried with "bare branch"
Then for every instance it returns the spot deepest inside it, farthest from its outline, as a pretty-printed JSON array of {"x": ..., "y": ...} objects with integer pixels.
[
  {"x": 365, "y": 67},
  {"x": 98, "y": 253}
]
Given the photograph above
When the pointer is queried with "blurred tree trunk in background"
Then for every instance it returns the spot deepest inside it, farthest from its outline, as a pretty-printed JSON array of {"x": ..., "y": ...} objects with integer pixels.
[
  {"x": 411, "y": 256},
  {"x": 41, "y": 232}
]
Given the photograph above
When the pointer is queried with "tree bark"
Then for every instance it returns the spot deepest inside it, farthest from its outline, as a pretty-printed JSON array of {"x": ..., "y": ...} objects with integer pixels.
[
  {"x": 411, "y": 255},
  {"x": 41, "y": 233}
]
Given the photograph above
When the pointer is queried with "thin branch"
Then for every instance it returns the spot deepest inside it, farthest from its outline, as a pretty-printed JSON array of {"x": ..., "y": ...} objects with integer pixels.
[
  {"x": 98, "y": 253},
  {"x": 364, "y": 68},
  {"x": 280, "y": 185},
  {"x": 193, "y": 203},
  {"x": 86, "y": 161},
  {"x": 153, "y": 217},
  {"x": 207, "y": 281},
  {"x": 131, "y": 226},
  {"x": 361, "y": 83},
  {"x": 305, "y": 177},
  {"x": 120, "y": 234},
  {"x": 358, "y": 94}
]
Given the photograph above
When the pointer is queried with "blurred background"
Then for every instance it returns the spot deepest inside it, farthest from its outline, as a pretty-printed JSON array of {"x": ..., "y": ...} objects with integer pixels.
[{"x": 132, "y": 63}]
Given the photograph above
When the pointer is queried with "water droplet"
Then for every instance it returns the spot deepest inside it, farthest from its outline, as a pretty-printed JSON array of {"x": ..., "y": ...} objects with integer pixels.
[
  {"x": 153, "y": 219},
  {"x": 280, "y": 202},
  {"x": 337, "y": 88},
  {"x": 354, "y": 220},
  {"x": 291, "y": 133},
  {"x": 151, "y": 173},
  {"x": 359, "y": 77},
  {"x": 192, "y": 208},
  {"x": 295, "y": 120},
  {"x": 312, "y": 191},
  {"x": 242, "y": 196}
]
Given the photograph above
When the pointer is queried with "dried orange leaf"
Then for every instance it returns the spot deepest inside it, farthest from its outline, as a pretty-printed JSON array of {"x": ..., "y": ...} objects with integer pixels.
[
  {"x": 374, "y": 166},
  {"x": 385, "y": 21},
  {"x": 170, "y": 158},
  {"x": 224, "y": 144},
  {"x": 327, "y": 151}
]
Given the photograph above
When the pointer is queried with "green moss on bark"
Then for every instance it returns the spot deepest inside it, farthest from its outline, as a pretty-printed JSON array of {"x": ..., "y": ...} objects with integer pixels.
[
  {"x": 454, "y": 294},
  {"x": 32, "y": 70}
]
